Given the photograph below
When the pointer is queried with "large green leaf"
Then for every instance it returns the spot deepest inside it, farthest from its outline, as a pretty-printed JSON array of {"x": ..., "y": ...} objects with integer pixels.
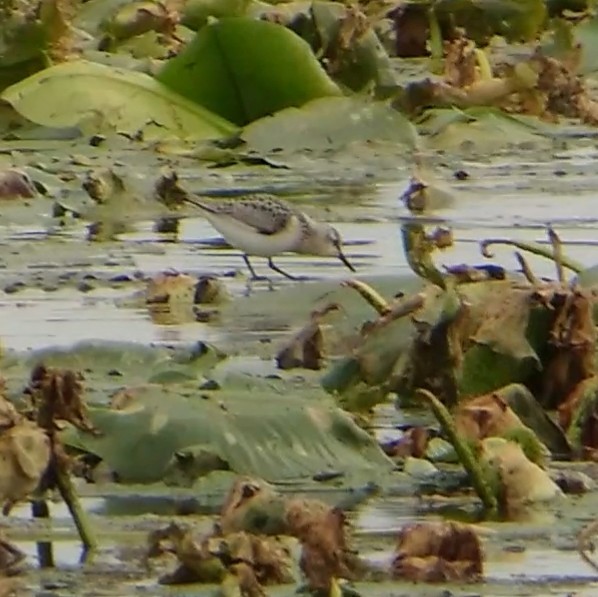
[
  {"x": 262, "y": 433},
  {"x": 330, "y": 123},
  {"x": 99, "y": 98},
  {"x": 244, "y": 69}
]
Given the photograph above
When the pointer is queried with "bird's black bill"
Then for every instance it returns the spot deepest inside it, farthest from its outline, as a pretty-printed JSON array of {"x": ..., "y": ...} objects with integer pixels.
[{"x": 342, "y": 257}]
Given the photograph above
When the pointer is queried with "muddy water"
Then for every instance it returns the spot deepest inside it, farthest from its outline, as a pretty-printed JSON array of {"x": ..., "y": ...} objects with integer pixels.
[{"x": 509, "y": 196}]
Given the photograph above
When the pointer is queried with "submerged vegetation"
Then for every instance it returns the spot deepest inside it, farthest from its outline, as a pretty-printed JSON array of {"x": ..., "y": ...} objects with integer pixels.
[{"x": 111, "y": 112}]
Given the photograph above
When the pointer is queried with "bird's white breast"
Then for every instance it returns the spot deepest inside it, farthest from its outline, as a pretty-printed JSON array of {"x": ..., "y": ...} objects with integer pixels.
[{"x": 250, "y": 241}]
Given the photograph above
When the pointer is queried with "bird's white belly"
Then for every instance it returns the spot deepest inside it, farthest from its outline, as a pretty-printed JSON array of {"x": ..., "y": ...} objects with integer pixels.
[{"x": 252, "y": 242}]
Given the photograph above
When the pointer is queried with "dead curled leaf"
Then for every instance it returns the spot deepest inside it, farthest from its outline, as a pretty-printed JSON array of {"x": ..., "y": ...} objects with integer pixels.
[
  {"x": 254, "y": 560},
  {"x": 169, "y": 191},
  {"x": 306, "y": 347},
  {"x": 571, "y": 345},
  {"x": 16, "y": 184},
  {"x": 24, "y": 457},
  {"x": 485, "y": 416},
  {"x": 59, "y": 392},
  {"x": 438, "y": 552},
  {"x": 523, "y": 484},
  {"x": 196, "y": 563},
  {"x": 319, "y": 528},
  {"x": 321, "y": 532},
  {"x": 172, "y": 287},
  {"x": 413, "y": 443}
]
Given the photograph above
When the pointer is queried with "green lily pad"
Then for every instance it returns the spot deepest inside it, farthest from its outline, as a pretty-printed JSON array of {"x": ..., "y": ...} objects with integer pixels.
[
  {"x": 481, "y": 129},
  {"x": 108, "y": 366},
  {"x": 271, "y": 435},
  {"x": 99, "y": 98},
  {"x": 243, "y": 69},
  {"x": 330, "y": 123}
]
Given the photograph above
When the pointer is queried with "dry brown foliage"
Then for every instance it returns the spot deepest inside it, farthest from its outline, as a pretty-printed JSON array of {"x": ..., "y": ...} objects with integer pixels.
[
  {"x": 57, "y": 394},
  {"x": 254, "y": 560},
  {"x": 413, "y": 443},
  {"x": 438, "y": 552},
  {"x": 321, "y": 531},
  {"x": 485, "y": 416},
  {"x": 319, "y": 528},
  {"x": 571, "y": 345},
  {"x": 306, "y": 348}
]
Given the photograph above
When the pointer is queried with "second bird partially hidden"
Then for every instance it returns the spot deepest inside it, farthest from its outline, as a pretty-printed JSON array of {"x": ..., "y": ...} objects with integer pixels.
[{"x": 265, "y": 226}]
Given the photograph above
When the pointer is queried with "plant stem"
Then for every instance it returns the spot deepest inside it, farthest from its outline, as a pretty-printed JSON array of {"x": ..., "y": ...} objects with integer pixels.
[{"x": 466, "y": 456}]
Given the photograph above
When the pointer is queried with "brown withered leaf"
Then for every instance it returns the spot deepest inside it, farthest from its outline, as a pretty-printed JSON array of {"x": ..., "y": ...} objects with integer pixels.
[
  {"x": 460, "y": 61},
  {"x": 59, "y": 394},
  {"x": 485, "y": 416},
  {"x": 10, "y": 587},
  {"x": 268, "y": 558},
  {"x": 9, "y": 417},
  {"x": 16, "y": 184},
  {"x": 413, "y": 443},
  {"x": 563, "y": 90},
  {"x": 252, "y": 505},
  {"x": 523, "y": 484},
  {"x": 571, "y": 346},
  {"x": 24, "y": 457},
  {"x": 438, "y": 552},
  {"x": 412, "y": 30},
  {"x": 321, "y": 532},
  {"x": 580, "y": 408},
  {"x": 306, "y": 348},
  {"x": 255, "y": 506},
  {"x": 196, "y": 563},
  {"x": 10, "y": 559},
  {"x": 170, "y": 287},
  {"x": 168, "y": 190}
]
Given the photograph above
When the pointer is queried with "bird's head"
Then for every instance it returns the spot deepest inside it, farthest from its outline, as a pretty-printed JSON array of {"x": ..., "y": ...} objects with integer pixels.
[{"x": 332, "y": 245}]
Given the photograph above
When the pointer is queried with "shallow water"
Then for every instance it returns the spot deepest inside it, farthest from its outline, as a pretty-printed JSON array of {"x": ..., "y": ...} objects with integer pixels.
[
  {"x": 511, "y": 196},
  {"x": 502, "y": 198}
]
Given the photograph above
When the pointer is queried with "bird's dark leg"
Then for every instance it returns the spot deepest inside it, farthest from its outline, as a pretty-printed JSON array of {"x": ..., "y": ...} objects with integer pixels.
[
  {"x": 274, "y": 267},
  {"x": 254, "y": 276}
]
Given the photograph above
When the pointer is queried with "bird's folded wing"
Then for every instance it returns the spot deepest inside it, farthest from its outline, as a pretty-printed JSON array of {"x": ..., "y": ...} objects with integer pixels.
[{"x": 265, "y": 216}]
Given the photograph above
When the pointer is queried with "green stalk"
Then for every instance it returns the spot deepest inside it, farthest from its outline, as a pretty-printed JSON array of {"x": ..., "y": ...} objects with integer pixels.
[
  {"x": 466, "y": 457},
  {"x": 530, "y": 247}
]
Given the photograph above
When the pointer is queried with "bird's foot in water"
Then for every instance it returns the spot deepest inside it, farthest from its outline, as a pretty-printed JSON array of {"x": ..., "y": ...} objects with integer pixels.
[{"x": 254, "y": 279}]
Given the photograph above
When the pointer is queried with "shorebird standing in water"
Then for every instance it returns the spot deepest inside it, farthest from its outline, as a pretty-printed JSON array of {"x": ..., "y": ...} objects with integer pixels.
[{"x": 265, "y": 226}]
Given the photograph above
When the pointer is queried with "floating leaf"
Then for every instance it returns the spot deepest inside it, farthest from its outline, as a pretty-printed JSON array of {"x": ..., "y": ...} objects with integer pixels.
[
  {"x": 330, "y": 123},
  {"x": 266, "y": 434},
  {"x": 100, "y": 98},
  {"x": 244, "y": 69}
]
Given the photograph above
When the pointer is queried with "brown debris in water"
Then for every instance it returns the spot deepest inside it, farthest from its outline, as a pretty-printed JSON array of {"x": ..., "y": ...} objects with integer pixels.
[
  {"x": 59, "y": 394},
  {"x": 254, "y": 560},
  {"x": 171, "y": 287},
  {"x": 169, "y": 191},
  {"x": 571, "y": 346},
  {"x": 16, "y": 184},
  {"x": 306, "y": 348},
  {"x": 321, "y": 532},
  {"x": 438, "y": 552},
  {"x": 485, "y": 416},
  {"x": 196, "y": 564},
  {"x": 413, "y": 443}
]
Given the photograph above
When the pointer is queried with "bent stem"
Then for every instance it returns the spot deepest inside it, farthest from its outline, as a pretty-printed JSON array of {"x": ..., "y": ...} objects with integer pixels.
[
  {"x": 418, "y": 250},
  {"x": 373, "y": 297},
  {"x": 466, "y": 456},
  {"x": 530, "y": 247}
]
